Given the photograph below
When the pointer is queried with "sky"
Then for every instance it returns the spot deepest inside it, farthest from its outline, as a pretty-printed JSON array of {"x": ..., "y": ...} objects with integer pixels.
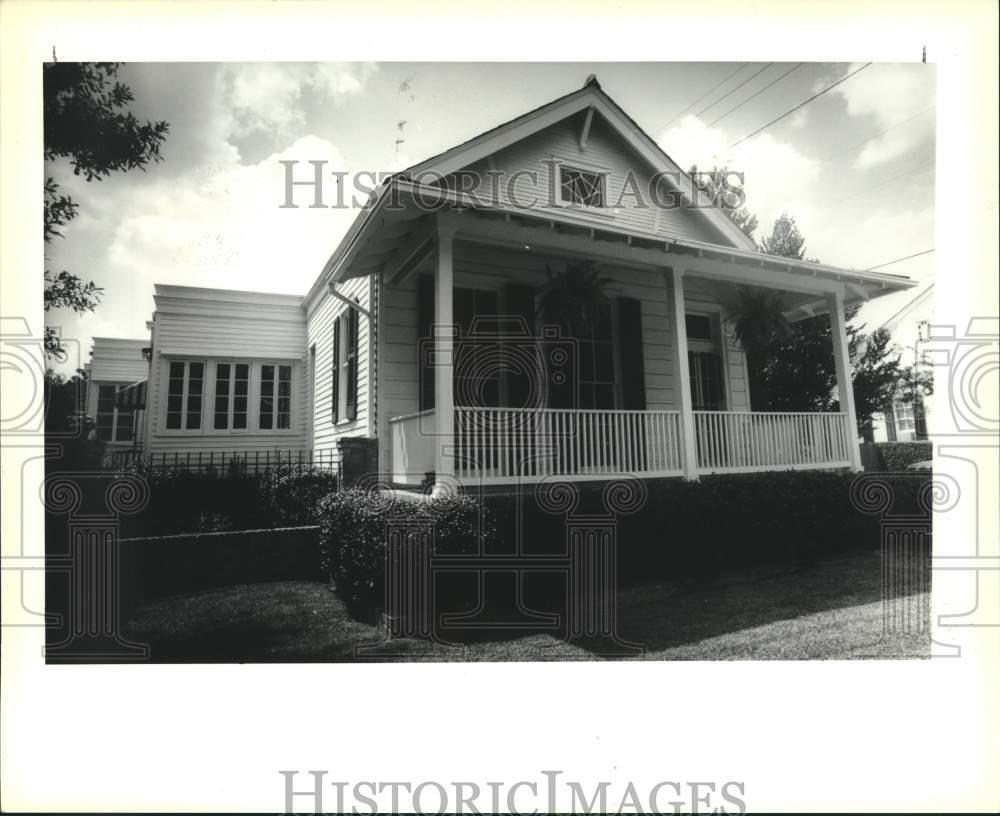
[{"x": 855, "y": 167}]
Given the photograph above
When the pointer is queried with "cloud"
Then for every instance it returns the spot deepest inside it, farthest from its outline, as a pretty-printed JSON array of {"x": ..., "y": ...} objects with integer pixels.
[
  {"x": 777, "y": 177},
  {"x": 890, "y": 95},
  {"x": 269, "y": 98}
]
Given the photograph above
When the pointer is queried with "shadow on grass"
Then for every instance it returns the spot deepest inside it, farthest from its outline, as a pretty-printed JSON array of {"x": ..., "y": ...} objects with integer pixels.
[{"x": 830, "y": 610}]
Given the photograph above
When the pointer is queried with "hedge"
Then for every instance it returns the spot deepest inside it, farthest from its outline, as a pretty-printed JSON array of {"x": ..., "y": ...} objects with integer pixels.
[
  {"x": 671, "y": 531},
  {"x": 186, "y": 502},
  {"x": 354, "y": 538},
  {"x": 897, "y": 456}
]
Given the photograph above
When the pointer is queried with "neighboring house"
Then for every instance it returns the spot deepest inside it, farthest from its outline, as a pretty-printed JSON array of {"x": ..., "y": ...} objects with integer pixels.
[
  {"x": 116, "y": 364},
  {"x": 909, "y": 326},
  {"x": 422, "y": 333}
]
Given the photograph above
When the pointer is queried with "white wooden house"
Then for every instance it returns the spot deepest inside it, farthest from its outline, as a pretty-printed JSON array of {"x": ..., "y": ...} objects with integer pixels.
[
  {"x": 422, "y": 330},
  {"x": 115, "y": 364}
]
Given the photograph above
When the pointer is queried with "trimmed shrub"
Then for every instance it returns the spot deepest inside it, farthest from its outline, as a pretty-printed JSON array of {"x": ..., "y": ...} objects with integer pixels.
[
  {"x": 182, "y": 501},
  {"x": 690, "y": 531},
  {"x": 355, "y": 527},
  {"x": 290, "y": 493},
  {"x": 897, "y": 456},
  {"x": 675, "y": 531}
]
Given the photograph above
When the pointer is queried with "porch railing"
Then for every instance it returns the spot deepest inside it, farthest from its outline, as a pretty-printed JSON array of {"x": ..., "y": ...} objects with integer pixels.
[
  {"x": 506, "y": 445},
  {"x": 733, "y": 442},
  {"x": 503, "y": 445}
]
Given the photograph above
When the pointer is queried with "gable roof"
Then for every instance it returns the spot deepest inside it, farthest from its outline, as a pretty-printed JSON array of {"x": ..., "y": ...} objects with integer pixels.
[{"x": 589, "y": 96}]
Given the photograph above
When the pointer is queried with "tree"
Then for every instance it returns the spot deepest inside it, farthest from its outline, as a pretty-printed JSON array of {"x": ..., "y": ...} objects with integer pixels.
[
  {"x": 785, "y": 240},
  {"x": 574, "y": 298},
  {"x": 876, "y": 373},
  {"x": 86, "y": 120},
  {"x": 719, "y": 184},
  {"x": 67, "y": 423},
  {"x": 791, "y": 366}
]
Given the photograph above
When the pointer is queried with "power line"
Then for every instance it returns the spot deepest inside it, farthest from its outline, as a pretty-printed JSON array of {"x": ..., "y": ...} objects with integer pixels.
[
  {"x": 800, "y": 105},
  {"x": 758, "y": 93},
  {"x": 920, "y": 168},
  {"x": 739, "y": 68},
  {"x": 880, "y": 133},
  {"x": 908, "y": 304},
  {"x": 900, "y": 260},
  {"x": 734, "y": 90}
]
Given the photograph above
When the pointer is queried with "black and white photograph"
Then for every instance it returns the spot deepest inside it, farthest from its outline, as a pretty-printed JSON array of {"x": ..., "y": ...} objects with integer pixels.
[{"x": 362, "y": 369}]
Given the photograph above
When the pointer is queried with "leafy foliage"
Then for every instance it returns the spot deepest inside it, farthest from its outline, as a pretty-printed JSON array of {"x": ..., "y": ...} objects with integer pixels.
[
  {"x": 67, "y": 424},
  {"x": 785, "y": 240},
  {"x": 574, "y": 298},
  {"x": 897, "y": 456},
  {"x": 87, "y": 121},
  {"x": 792, "y": 366},
  {"x": 759, "y": 321},
  {"x": 354, "y": 537},
  {"x": 290, "y": 493},
  {"x": 718, "y": 185}
]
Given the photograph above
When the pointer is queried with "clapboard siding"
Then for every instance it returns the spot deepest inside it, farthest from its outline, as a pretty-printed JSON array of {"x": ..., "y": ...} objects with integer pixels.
[
  {"x": 526, "y": 179},
  {"x": 320, "y": 333},
  {"x": 115, "y": 359},
  {"x": 214, "y": 326}
]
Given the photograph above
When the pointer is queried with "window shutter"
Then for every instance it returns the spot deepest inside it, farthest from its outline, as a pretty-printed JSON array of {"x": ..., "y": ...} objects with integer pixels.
[
  {"x": 352, "y": 363},
  {"x": 335, "y": 387},
  {"x": 630, "y": 354},
  {"x": 519, "y": 302},
  {"x": 425, "y": 320}
]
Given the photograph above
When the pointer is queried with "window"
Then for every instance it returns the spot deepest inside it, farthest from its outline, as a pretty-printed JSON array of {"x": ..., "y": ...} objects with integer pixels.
[
  {"x": 275, "y": 397},
  {"x": 698, "y": 326},
  {"x": 705, "y": 372},
  {"x": 184, "y": 395},
  {"x": 231, "y": 396},
  {"x": 113, "y": 425},
  {"x": 590, "y": 366},
  {"x": 345, "y": 366},
  {"x": 581, "y": 187},
  {"x": 904, "y": 416},
  {"x": 596, "y": 382},
  {"x": 476, "y": 369}
]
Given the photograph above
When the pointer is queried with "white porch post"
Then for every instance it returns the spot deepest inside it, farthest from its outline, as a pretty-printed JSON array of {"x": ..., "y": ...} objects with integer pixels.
[
  {"x": 682, "y": 388},
  {"x": 845, "y": 391},
  {"x": 444, "y": 349}
]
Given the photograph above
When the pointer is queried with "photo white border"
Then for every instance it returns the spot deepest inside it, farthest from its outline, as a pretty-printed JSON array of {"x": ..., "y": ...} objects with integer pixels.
[{"x": 875, "y": 735}]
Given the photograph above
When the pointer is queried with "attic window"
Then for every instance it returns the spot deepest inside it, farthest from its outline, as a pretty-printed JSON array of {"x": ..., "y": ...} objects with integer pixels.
[{"x": 581, "y": 187}]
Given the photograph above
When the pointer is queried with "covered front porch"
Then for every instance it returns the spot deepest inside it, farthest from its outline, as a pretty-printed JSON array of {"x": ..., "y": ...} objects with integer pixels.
[{"x": 467, "y": 424}]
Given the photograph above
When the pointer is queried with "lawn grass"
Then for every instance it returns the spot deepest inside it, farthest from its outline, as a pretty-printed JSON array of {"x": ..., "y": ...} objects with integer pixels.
[{"x": 832, "y": 610}]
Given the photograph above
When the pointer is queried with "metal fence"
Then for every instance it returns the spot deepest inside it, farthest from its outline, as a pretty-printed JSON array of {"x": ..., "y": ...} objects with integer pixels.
[{"x": 225, "y": 463}]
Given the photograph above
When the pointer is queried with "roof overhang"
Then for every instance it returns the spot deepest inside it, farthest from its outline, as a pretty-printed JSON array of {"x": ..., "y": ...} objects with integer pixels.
[{"x": 401, "y": 208}]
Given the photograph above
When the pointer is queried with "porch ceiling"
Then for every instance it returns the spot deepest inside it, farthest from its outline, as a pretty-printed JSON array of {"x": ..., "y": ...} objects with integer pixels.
[{"x": 395, "y": 235}]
